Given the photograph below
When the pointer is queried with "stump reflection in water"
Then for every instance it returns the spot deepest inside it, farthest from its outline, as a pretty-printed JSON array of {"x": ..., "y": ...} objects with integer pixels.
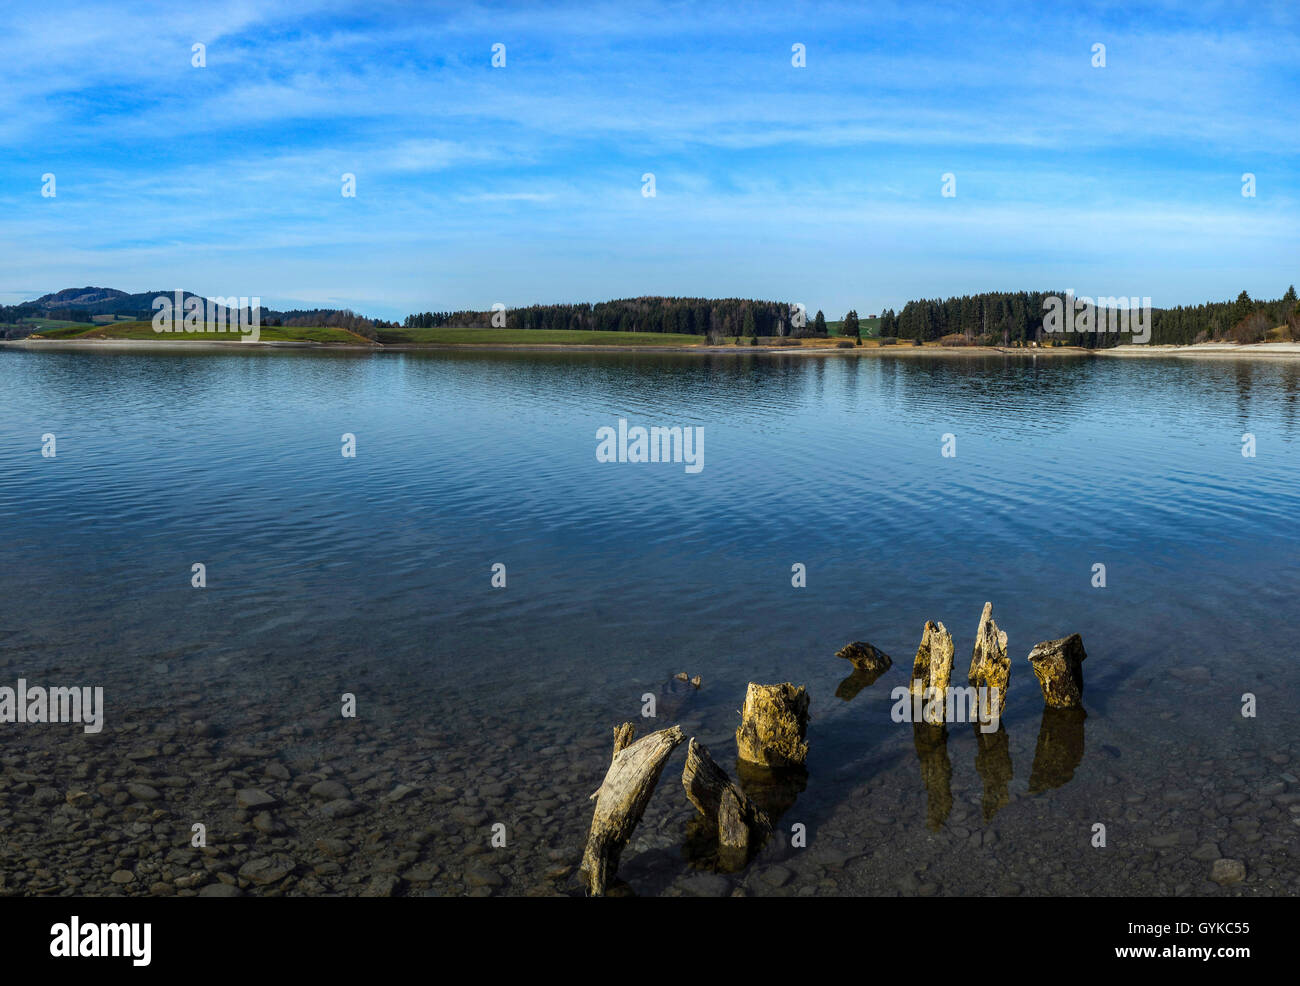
[
  {"x": 1060, "y": 748},
  {"x": 936, "y": 771},
  {"x": 993, "y": 764}
]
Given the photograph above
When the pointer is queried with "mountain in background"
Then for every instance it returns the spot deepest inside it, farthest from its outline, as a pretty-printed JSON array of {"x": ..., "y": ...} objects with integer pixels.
[
  {"x": 90, "y": 301},
  {"x": 91, "y": 305}
]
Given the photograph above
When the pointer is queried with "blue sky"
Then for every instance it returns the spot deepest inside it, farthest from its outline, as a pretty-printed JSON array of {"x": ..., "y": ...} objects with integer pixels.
[{"x": 522, "y": 184}]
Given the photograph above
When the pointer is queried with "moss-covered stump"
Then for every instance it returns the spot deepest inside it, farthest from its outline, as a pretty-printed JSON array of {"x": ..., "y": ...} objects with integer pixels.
[
  {"x": 932, "y": 669},
  {"x": 1059, "y": 667},
  {"x": 773, "y": 725},
  {"x": 865, "y": 657},
  {"x": 990, "y": 667}
]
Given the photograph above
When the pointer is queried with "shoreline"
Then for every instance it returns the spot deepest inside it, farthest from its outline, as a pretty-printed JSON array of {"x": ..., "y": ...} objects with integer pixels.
[{"x": 1271, "y": 350}]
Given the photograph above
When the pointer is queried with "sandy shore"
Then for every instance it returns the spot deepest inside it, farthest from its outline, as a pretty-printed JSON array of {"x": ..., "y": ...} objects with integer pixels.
[{"x": 1263, "y": 349}]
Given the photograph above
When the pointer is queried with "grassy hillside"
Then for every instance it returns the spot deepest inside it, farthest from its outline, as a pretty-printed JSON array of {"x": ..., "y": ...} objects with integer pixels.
[{"x": 144, "y": 330}]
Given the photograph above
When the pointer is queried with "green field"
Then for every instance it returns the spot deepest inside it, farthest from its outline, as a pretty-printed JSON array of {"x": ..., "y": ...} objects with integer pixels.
[
  {"x": 870, "y": 327},
  {"x": 145, "y": 330},
  {"x": 447, "y": 336},
  {"x": 44, "y": 324}
]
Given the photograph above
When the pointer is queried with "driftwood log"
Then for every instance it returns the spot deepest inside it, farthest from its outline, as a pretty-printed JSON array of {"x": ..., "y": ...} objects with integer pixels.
[
  {"x": 622, "y": 799},
  {"x": 741, "y": 825}
]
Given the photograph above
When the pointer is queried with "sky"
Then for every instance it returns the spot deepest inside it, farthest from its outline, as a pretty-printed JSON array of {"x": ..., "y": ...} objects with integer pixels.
[{"x": 819, "y": 184}]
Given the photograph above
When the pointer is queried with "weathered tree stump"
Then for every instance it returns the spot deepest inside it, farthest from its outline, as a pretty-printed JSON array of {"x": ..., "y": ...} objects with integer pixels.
[
  {"x": 741, "y": 825},
  {"x": 622, "y": 799},
  {"x": 990, "y": 668},
  {"x": 773, "y": 724},
  {"x": 932, "y": 669},
  {"x": 1059, "y": 667},
  {"x": 865, "y": 657}
]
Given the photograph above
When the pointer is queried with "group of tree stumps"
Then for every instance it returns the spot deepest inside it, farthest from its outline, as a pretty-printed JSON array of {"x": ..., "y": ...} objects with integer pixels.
[
  {"x": 772, "y": 746},
  {"x": 774, "y": 723}
]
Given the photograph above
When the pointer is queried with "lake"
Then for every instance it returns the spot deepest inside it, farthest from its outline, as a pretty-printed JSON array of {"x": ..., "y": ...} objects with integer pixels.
[{"x": 481, "y": 706}]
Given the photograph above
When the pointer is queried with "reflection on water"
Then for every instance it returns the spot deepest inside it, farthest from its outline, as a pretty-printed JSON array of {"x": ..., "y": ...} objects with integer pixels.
[
  {"x": 371, "y": 576},
  {"x": 773, "y": 790},
  {"x": 993, "y": 764},
  {"x": 848, "y": 688},
  {"x": 1060, "y": 748},
  {"x": 931, "y": 743}
]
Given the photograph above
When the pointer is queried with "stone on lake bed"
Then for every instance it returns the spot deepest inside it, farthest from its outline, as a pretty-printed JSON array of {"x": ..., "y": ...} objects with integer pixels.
[
  {"x": 865, "y": 657},
  {"x": 220, "y": 890},
  {"x": 252, "y": 797},
  {"x": 481, "y": 875},
  {"x": 328, "y": 790},
  {"x": 1058, "y": 665},
  {"x": 773, "y": 724},
  {"x": 340, "y": 808},
  {"x": 383, "y": 885},
  {"x": 1227, "y": 871},
  {"x": 266, "y": 869}
]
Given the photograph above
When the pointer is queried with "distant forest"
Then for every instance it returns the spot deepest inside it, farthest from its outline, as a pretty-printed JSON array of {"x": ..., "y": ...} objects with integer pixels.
[
  {"x": 1000, "y": 318},
  {"x": 991, "y": 318},
  {"x": 719, "y": 318}
]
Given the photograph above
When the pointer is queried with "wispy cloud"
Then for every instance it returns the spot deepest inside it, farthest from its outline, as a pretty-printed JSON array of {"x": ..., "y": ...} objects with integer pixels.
[{"x": 524, "y": 183}]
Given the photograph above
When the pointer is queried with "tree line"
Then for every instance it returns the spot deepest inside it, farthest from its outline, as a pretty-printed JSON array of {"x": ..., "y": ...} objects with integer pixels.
[
  {"x": 336, "y": 318},
  {"x": 715, "y": 317},
  {"x": 1016, "y": 318},
  {"x": 995, "y": 318}
]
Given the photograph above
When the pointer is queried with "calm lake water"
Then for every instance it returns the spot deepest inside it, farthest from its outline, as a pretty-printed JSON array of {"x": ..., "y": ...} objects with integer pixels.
[{"x": 372, "y": 576}]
